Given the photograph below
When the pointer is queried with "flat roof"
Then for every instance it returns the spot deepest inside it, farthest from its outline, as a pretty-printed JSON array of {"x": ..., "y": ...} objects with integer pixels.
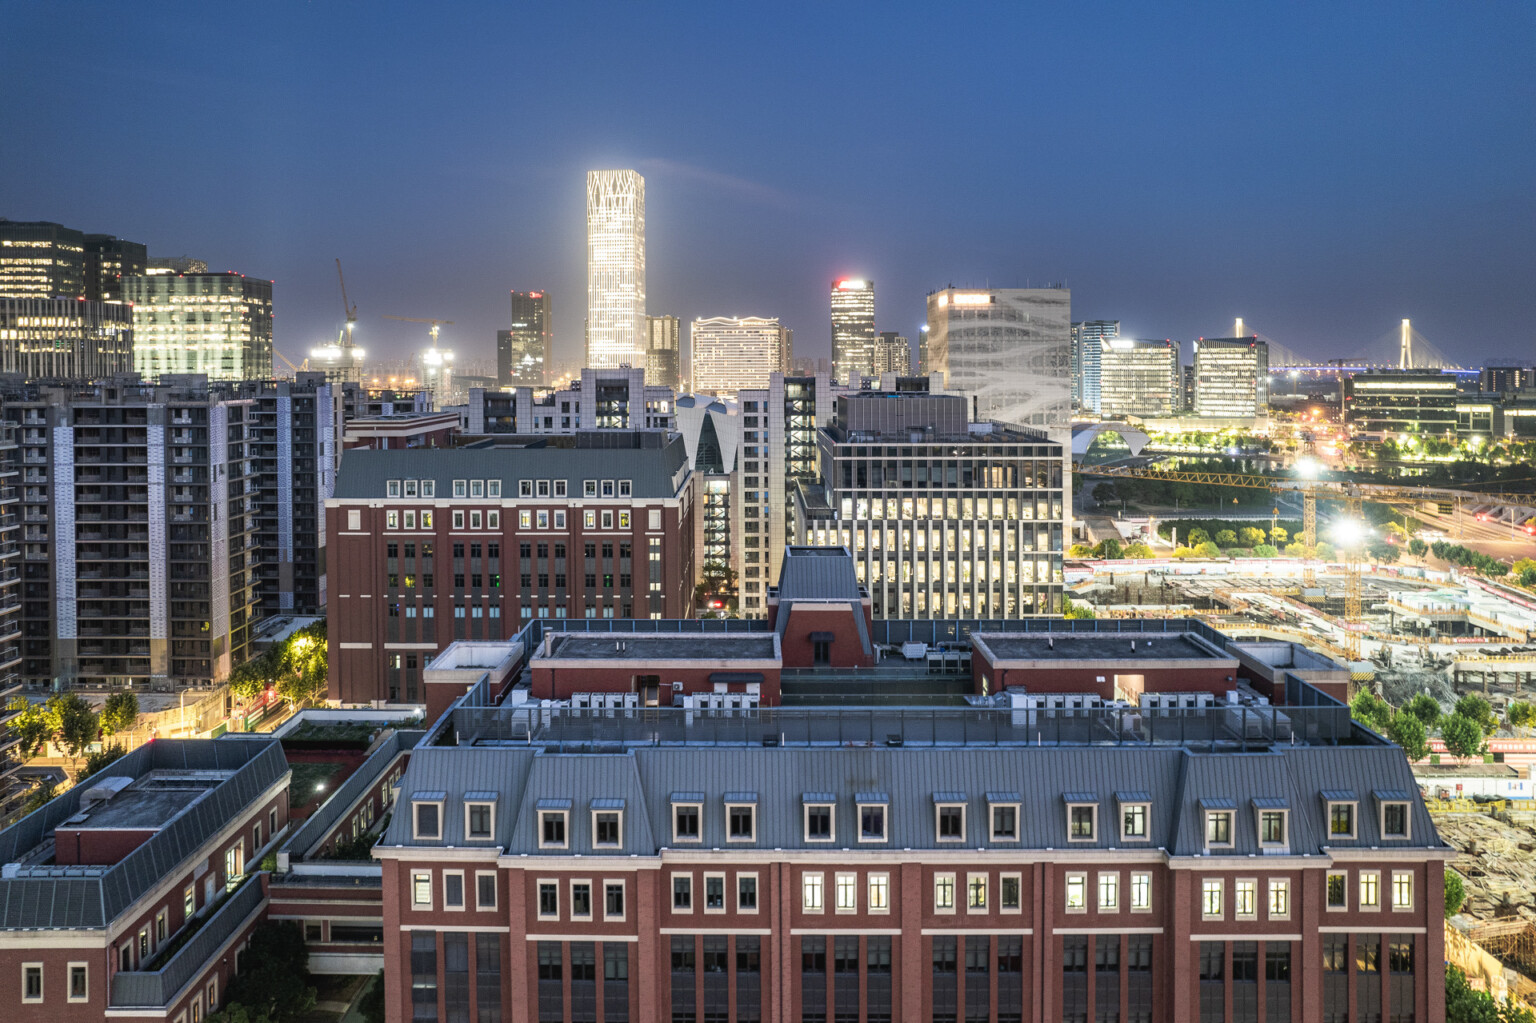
[
  {"x": 714, "y": 646},
  {"x": 1037, "y": 647},
  {"x": 150, "y": 803}
]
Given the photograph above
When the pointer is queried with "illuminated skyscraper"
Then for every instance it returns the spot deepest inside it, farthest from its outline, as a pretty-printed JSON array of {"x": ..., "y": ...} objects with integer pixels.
[
  {"x": 216, "y": 324},
  {"x": 853, "y": 329},
  {"x": 1088, "y": 340},
  {"x": 892, "y": 354},
  {"x": 664, "y": 351},
  {"x": 41, "y": 259},
  {"x": 1231, "y": 378},
  {"x": 615, "y": 269},
  {"x": 1009, "y": 348},
  {"x": 525, "y": 353},
  {"x": 1138, "y": 378},
  {"x": 733, "y": 353}
]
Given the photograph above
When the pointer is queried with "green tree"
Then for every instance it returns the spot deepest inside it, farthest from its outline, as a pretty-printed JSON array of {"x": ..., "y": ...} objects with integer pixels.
[
  {"x": 1109, "y": 548},
  {"x": 1383, "y": 552},
  {"x": 1077, "y": 550},
  {"x": 234, "y": 1012},
  {"x": 1478, "y": 709},
  {"x": 31, "y": 724},
  {"x": 1265, "y": 550},
  {"x": 120, "y": 713},
  {"x": 275, "y": 982},
  {"x": 1520, "y": 714},
  {"x": 1371, "y": 711},
  {"x": 1251, "y": 536},
  {"x": 251, "y": 678},
  {"x": 74, "y": 723},
  {"x": 1226, "y": 538},
  {"x": 1464, "y": 1003},
  {"x": 1196, "y": 537},
  {"x": 43, "y": 790},
  {"x": 1409, "y": 733},
  {"x": 304, "y": 672},
  {"x": 94, "y": 762},
  {"x": 371, "y": 1006},
  {"x": 1463, "y": 736},
  {"x": 1207, "y": 550},
  {"x": 1425, "y": 708},
  {"x": 1137, "y": 549},
  {"x": 1455, "y": 892},
  {"x": 1417, "y": 547},
  {"x": 1071, "y": 610},
  {"x": 1279, "y": 534}
]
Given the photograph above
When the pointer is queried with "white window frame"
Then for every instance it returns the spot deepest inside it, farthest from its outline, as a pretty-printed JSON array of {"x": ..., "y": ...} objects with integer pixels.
[
  {"x": 1405, "y": 876},
  {"x": 392, "y": 519},
  {"x": 470, "y": 836},
  {"x": 421, "y": 881},
  {"x": 845, "y": 881},
  {"x": 608, "y": 845},
  {"x": 1354, "y": 820},
  {"x": 615, "y": 882},
  {"x": 474, "y": 518},
  {"x": 1018, "y": 822},
  {"x": 1237, "y": 898},
  {"x": 986, "y": 893},
  {"x": 1146, "y": 822},
  {"x": 570, "y": 895},
  {"x": 1113, "y": 877},
  {"x": 69, "y": 981},
  {"x": 1002, "y": 879},
  {"x": 410, "y": 518},
  {"x": 429, "y": 488},
  {"x": 541, "y": 488},
  {"x": 805, "y": 822},
  {"x": 885, "y": 822},
  {"x": 1327, "y": 879},
  {"x": 560, "y": 488},
  {"x": 626, "y": 488},
  {"x": 354, "y": 518},
  {"x": 1213, "y": 815},
  {"x": 751, "y": 809},
  {"x": 493, "y": 488},
  {"x": 538, "y": 888},
  {"x": 882, "y": 881},
  {"x": 1210, "y": 886},
  {"x": 1283, "y": 886},
  {"x": 391, "y": 488},
  {"x": 688, "y": 840},
  {"x": 1143, "y": 876},
  {"x": 477, "y": 488},
  {"x": 1375, "y": 877},
  {"x": 565, "y": 817},
  {"x": 1079, "y": 880},
  {"x": 1081, "y": 840},
  {"x": 938, "y": 813},
  {"x": 460, "y": 488},
  {"x": 589, "y": 488},
  {"x": 525, "y": 488},
  {"x": 463, "y": 894},
  {"x": 1285, "y": 830},
  {"x": 757, "y": 891},
  {"x": 813, "y": 881},
  {"x": 940, "y": 880},
  {"x": 495, "y": 890},
  {"x": 409, "y": 488},
  {"x": 493, "y": 519},
  {"x": 725, "y": 905},
  {"x": 1381, "y": 820},
  {"x": 458, "y": 518},
  {"x": 416, "y": 820},
  {"x": 672, "y": 891}
]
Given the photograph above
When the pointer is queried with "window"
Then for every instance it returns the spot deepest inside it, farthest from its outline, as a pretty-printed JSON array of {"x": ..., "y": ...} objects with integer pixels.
[
  {"x": 458, "y": 519},
  {"x": 589, "y": 488},
  {"x": 872, "y": 822},
  {"x": 1218, "y": 828},
  {"x": 811, "y": 892},
  {"x": 818, "y": 822},
  {"x": 607, "y": 829},
  {"x": 1005, "y": 822},
  {"x": 354, "y": 518},
  {"x": 1082, "y": 821},
  {"x": 951, "y": 822},
  {"x": 1272, "y": 828},
  {"x": 391, "y": 520},
  {"x": 1010, "y": 893},
  {"x": 460, "y": 488},
  {"x": 714, "y": 893},
  {"x": 746, "y": 893},
  {"x": 1077, "y": 893},
  {"x": 607, "y": 488},
  {"x": 1141, "y": 891},
  {"x": 1341, "y": 820},
  {"x": 741, "y": 822},
  {"x": 453, "y": 889},
  {"x": 478, "y": 820},
  {"x": 682, "y": 893},
  {"x": 1133, "y": 821},
  {"x": 944, "y": 893},
  {"x": 421, "y": 889},
  {"x": 1279, "y": 898},
  {"x": 845, "y": 893},
  {"x": 485, "y": 889},
  {"x": 429, "y": 488},
  {"x": 581, "y": 900},
  {"x": 1402, "y": 889},
  {"x": 493, "y": 519},
  {"x": 477, "y": 488},
  {"x": 685, "y": 822},
  {"x": 1211, "y": 899},
  {"x": 626, "y": 488},
  {"x": 32, "y": 982},
  {"x": 1370, "y": 889},
  {"x": 524, "y": 519},
  {"x": 613, "y": 900},
  {"x": 410, "y": 519},
  {"x": 428, "y": 820},
  {"x": 879, "y": 893},
  {"x": 426, "y": 519},
  {"x": 79, "y": 985},
  {"x": 1394, "y": 820},
  {"x": 391, "y": 488},
  {"x": 552, "y": 829},
  {"x": 976, "y": 892},
  {"x": 1338, "y": 890},
  {"x": 1109, "y": 892},
  {"x": 1245, "y": 899},
  {"x": 189, "y": 902}
]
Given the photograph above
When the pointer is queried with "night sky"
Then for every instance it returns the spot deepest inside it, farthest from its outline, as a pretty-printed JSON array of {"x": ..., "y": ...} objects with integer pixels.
[{"x": 1320, "y": 169}]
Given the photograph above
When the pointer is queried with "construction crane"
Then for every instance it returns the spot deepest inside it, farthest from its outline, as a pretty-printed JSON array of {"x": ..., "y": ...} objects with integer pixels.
[
  {"x": 300, "y": 368},
  {"x": 341, "y": 360},
  {"x": 435, "y": 360},
  {"x": 351, "y": 310}
]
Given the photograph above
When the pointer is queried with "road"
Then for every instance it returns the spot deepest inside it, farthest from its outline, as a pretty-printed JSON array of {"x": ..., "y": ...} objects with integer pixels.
[{"x": 1492, "y": 539}]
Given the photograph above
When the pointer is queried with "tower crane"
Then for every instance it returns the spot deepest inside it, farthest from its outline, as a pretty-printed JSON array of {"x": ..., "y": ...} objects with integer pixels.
[
  {"x": 435, "y": 360},
  {"x": 341, "y": 360}
]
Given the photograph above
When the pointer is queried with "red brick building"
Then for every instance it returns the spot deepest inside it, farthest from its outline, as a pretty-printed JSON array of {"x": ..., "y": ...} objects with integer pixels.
[{"x": 433, "y": 546}]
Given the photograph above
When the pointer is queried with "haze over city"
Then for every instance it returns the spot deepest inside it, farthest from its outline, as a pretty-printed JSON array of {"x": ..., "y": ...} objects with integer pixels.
[{"x": 1175, "y": 167}]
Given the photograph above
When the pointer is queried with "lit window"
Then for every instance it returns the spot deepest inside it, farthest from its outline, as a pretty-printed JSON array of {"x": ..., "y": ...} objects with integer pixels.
[
  {"x": 1218, "y": 828},
  {"x": 1077, "y": 893},
  {"x": 1141, "y": 891},
  {"x": 944, "y": 892},
  {"x": 1245, "y": 899},
  {"x": 1370, "y": 889},
  {"x": 879, "y": 892},
  {"x": 1133, "y": 821},
  {"x": 976, "y": 892},
  {"x": 1279, "y": 898},
  {"x": 1210, "y": 898},
  {"x": 846, "y": 893},
  {"x": 1402, "y": 889},
  {"x": 811, "y": 892},
  {"x": 1341, "y": 820},
  {"x": 1109, "y": 892},
  {"x": 1338, "y": 890},
  {"x": 421, "y": 889}
]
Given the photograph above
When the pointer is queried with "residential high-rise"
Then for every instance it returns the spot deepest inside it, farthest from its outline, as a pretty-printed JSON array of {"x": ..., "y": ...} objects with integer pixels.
[
  {"x": 1009, "y": 348},
  {"x": 218, "y": 325},
  {"x": 1138, "y": 378},
  {"x": 525, "y": 353},
  {"x": 1088, "y": 339},
  {"x": 65, "y": 338},
  {"x": 615, "y": 269},
  {"x": 1231, "y": 378},
  {"x": 733, "y": 353},
  {"x": 892, "y": 354},
  {"x": 107, "y": 261},
  {"x": 41, "y": 259},
  {"x": 945, "y": 518},
  {"x": 664, "y": 352},
  {"x": 853, "y": 330}
]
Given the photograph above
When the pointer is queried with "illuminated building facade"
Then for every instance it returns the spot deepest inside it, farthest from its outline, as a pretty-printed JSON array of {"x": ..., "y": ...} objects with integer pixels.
[
  {"x": 615, "y": 269},
  {"x": 65, "y": 338},
  {"x": 853, "y": 330},
  {"x": 1009, "y": 348},
  {"x": 664, "y": 352},
  {"x": 41, "y": 259},
  {"x": 525, "y": 353},
  {"x": 1231, "y": 378},
  {"x": 216, "y": 324},
  {"x": 892, "y": 354},
  {"x": 107, "y": 261},
  {"x": 1138, "y": 378},
  {"x": 1421, "y": 402},
  {"x": 733, "y": 353},
  {"x": 1088, "y": 339}
]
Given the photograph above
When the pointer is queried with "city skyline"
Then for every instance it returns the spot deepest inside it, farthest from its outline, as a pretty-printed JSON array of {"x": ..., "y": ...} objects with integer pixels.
[{"x": 1326, "y": 174}]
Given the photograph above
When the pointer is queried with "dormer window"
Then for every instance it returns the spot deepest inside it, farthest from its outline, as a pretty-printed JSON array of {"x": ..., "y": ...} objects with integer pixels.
[
  {"x": 1003, "y": 808},
  {"x": 1274, "y": 823},
  {"x": 554, "y": 823},
  {"x": 1394, "y": 818},
  {"x": 589, "y": 488},
  {"x": 479, "y": 816},
  {"x": 391, "y": 488},
  {"x": 819, "y": 825},
  {"x": 607, "y": 823},
  {"x": 741, "y": 816},
  {"x": 525, "y": 488},
  {"x": 874, "y": 810},
  {"x": 427, "y": 816},
  {"x": 460, "y": 488},
  {"x": 543, "y": 488},
  {"x": 1218, "y": 822},
  {"x": 687, "y": 816},
  {"x": 429, "y": 488},
  {"x": 1342, "y": 806},
  {"x": 1082, "y": 817},
  {"x": 949, "y": 816},
  {"x": 1135, "y": 813},
  {"x": 410, "y": 488}
]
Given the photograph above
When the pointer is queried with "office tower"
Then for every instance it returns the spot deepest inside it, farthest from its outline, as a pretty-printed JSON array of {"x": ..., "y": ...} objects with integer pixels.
[
  {"x": 176, "y": 265},
  {"x": 218, "y": 325},
  {"x": 892, "y": 354},
  {"x": 1009, "y": 348},
  {"x": 525, "y": 354},
  {"x": 1397, "y": 402},
  {"x": 41, "y": 259},
  {"x": 1187, "y": 387},
  {"x": 734, "y": 353},
  {"x": 945, "y": 518},
  {"x": 1138, "y": 378},
  {"x": 615, "y": 269},
  {"x": 1506, "y": 379},
  {"x": 65, "y": 338},
  {"x": 107, "y": 261},
  {"x": 1088, "y": 339},
  {"x": 853, "y": 330},
  {"x": 664, "y": 352},
  {"x": 923, "y": 364},
  {"x": 1231, "y": 378},
  {"x": 600, "y": 529}
]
